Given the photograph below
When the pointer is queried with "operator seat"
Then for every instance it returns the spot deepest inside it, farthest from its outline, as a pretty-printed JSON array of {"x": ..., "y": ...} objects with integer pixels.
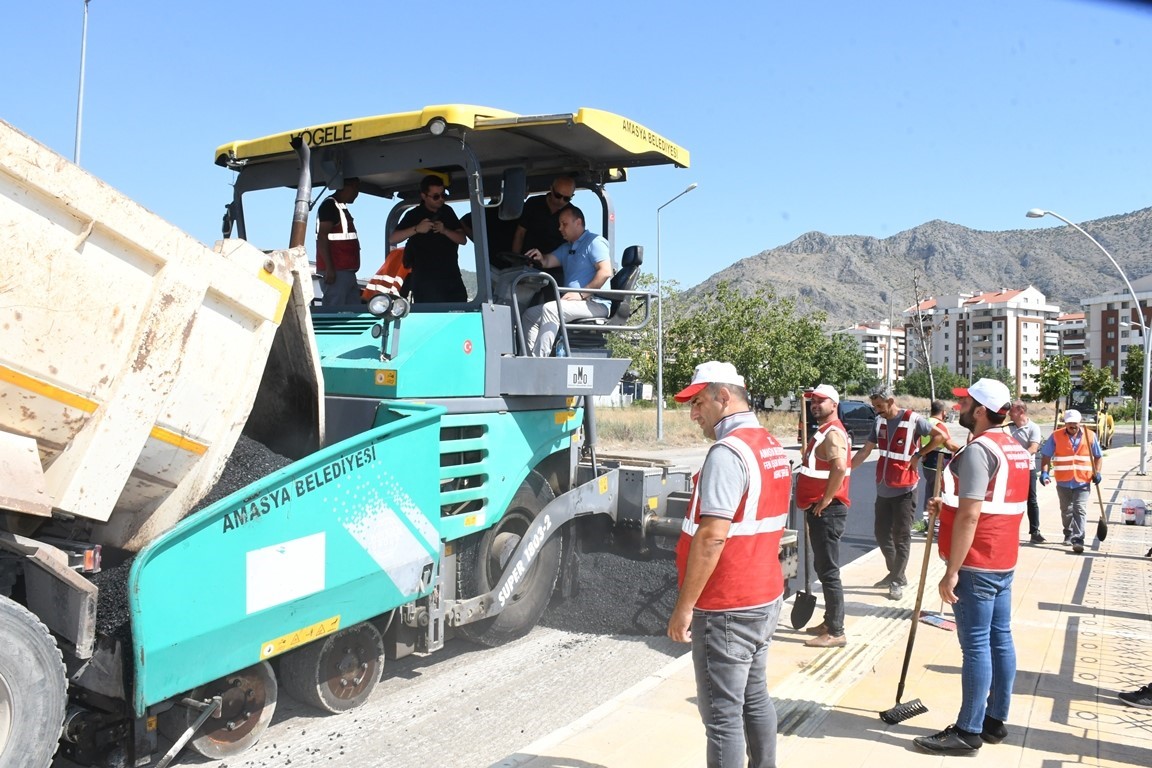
[{"x": 625, "y": 279}]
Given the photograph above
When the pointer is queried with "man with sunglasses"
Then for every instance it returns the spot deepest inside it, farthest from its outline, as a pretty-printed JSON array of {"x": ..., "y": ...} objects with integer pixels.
[
  {"x": 539, "y": 225},
  {"x": 434, "y": 236}
]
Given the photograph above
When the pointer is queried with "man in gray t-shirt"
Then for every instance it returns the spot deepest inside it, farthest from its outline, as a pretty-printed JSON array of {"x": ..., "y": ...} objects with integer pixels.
[
  {"x": 1027, "y": 433},
  {"x": 897, "y": 476}
]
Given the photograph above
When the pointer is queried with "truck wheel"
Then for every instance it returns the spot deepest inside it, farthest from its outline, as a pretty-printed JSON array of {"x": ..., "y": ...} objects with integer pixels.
[
  {"x": 484, "y": 556},
  {"x": 248, "y": 703},
  {"x": 33, "y": 689},
  {"x": 338, "y": 672}
]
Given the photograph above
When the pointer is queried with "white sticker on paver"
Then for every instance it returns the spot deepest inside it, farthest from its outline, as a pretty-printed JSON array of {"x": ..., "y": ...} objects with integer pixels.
[{"x": 285, "y": 572}]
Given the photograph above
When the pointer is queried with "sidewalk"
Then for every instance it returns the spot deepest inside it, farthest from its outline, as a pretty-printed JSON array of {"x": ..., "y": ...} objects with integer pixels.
[{"x": 1082, "y": 629}]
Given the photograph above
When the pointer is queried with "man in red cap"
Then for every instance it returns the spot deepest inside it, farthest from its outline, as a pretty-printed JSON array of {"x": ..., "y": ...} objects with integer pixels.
[
  {"x": 822, "y": 492},
  {"x": 984, "y": 497},
  {"x": 728, "y": 559}
]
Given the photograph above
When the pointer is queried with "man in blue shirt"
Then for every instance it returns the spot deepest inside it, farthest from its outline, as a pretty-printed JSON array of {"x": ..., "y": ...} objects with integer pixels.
[{"x": 586, "y": 263}]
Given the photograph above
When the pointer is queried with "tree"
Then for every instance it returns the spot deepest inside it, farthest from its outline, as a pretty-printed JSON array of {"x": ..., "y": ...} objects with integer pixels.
[
  {"x": 840, "y": 362},
  {"x": 1099, "y": 382},
  {"x": 923, "y": 382},
  {"x": 1132, "y": 377},
  {"x": 985, "y": 371},
  {"x": 1054, "y": 379},
  {"x": 640, "y": 345}
]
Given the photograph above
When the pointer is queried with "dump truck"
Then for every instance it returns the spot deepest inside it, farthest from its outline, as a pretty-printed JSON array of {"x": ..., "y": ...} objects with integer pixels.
[{"x": 219, "y": 489}]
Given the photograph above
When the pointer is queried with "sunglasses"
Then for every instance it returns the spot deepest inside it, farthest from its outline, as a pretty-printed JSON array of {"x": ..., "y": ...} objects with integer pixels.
[
  {"x": 434, "y": 195},
  {"x": 558, "y": 196}
]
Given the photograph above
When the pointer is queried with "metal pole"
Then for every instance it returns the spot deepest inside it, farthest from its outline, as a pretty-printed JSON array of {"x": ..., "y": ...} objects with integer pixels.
[
  {"x": 660, "y": 322},
  {"x": 80, "y": 97},
  {"x": 1036, "y": 213}
]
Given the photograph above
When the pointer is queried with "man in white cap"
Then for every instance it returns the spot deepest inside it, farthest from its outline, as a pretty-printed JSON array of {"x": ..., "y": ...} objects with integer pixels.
[
  {"x": 728, "y": 560},
  {"x": 985, "y": 495},
  {"x": 822, "y": 492},
  {"x": 1074, "y": 456}
]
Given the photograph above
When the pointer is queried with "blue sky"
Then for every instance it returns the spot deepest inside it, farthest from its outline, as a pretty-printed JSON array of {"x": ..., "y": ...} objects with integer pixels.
[{"x": 843, "y": 117}]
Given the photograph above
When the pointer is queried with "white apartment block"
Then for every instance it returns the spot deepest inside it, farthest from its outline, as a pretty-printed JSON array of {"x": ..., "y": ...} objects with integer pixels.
[
  {"x": 883, "y": 348},
  {"x": 1012, "y": 329},
  {"x": 1072, "y": 330},
  {"x": 1113, "y": 325}
]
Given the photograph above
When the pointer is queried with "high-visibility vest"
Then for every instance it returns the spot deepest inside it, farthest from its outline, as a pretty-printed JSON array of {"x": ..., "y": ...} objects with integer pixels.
[
  {"x": 814, "y": 471},
  {"x": 343, "y": 243},
  {"x": 896, "y": 451},
  {"x": 389, "y": 278},
  {"x": 996, "y": 544},
  {"x": 748, "y": 573},
  {"x": 1070, "y": 465}
]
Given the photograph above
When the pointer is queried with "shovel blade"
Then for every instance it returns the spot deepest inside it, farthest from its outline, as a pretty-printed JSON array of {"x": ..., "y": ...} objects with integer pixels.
[
  {"x": 1101, "y": 529},
  {"x": 802, "y": 609}
]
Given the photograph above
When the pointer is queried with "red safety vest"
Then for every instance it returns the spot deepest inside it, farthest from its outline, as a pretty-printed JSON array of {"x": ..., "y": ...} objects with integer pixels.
[
  {"x": 343, "y": 243},
  {"x": 896, "y": 451},
  {"x": 996, "y": 544},
  {"x": 1070, "y": 465},
  {"x": 813, "y": 479},
  {"x": 748, "y": 573}
]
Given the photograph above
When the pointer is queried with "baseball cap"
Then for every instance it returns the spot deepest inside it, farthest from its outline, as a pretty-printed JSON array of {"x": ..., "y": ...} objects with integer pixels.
[
  {"x": 824, "y": 392},
  {"x": 1072, "y": 416},
  {"x": 711, "y": 372},
  {"x": 990, "y": 393}
]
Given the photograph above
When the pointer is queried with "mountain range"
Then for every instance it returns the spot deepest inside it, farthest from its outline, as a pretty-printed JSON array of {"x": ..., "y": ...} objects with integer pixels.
[{"x": 858, "y": 279}]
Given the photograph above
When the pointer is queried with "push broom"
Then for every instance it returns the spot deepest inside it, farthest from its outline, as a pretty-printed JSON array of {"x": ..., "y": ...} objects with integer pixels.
[{"x": 909, "y": 709}]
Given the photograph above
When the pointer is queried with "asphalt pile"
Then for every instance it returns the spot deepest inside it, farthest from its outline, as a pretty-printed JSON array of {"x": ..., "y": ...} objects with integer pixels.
[
  {"x": 618, "y": 596},
  {"x": 248, "y": 462}
]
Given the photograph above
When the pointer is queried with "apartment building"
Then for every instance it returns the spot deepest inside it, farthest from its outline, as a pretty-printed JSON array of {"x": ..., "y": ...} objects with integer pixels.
[
  {"x": 883, "y": 348},
  {"x": 1072, "y": 332},
  {"x": 1113, "y": 324},
  {"x": 1012, "y": 329}
]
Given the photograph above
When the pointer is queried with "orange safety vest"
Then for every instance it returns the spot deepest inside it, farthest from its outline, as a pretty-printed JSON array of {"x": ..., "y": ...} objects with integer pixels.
[
  {"x": 896, "y": 451},
  {"x": 389, "y": 278},
  {"x": 1070, "y": 465},
  {"x": 996, "y": 544},
  {"x": 343, "y": 244},
  {"x": 748, "y": 573},
  {"x": 813, "y": 479}
]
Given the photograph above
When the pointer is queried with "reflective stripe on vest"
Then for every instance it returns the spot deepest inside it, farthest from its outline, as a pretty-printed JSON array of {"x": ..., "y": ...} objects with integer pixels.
[
  {"x": 1072, "y": 465},
  {"x": 894, "y": 470},
  {"x": 814, "y": 471}
]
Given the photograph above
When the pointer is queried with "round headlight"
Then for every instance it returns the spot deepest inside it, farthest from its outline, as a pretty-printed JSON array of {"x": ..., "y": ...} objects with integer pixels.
[
  {"x": 380, "y": 304},
  {"x": 400, "y": 307},
  {"x": 437, "y": 126}
]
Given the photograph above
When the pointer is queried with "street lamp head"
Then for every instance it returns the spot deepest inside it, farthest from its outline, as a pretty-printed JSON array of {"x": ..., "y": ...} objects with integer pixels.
[
  {"x": 1036, "y": 213},
  {"x": 691, "y": 187}
]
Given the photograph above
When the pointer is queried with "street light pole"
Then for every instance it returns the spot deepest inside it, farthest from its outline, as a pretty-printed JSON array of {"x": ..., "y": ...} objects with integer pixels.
[
  {"x": 1037, "y": 213},
  {"x": 660, "y": 322},
  {"x": 80, "y": 97}
]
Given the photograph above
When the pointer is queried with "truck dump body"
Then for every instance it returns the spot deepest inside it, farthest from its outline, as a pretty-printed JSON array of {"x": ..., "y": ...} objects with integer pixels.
[{"x": 132, "y": 353}]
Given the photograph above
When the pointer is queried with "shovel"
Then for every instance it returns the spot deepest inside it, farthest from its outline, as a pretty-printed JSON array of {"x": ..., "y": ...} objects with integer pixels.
[
  {"x": 1102, "y": 525},
  {"x": 805, "y": 602}
]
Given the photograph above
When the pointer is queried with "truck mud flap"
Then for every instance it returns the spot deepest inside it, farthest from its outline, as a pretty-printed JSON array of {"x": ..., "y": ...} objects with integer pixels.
[
  {"x": 339, "y": 537},
  {"x": 598, "y": 496}
]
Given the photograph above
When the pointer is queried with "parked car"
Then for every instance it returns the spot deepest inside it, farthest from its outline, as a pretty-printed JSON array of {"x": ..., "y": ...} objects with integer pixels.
[{"x": 856, "y": 416}]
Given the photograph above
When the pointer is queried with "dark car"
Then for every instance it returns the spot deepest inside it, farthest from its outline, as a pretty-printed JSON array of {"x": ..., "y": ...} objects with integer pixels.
[{"x": 857, "y": 418}]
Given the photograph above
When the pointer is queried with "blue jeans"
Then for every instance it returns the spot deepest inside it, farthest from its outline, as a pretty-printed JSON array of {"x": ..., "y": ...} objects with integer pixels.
[
  {"x": 729, "y": 656},
  {"x": 1073, "y": 509},
  {"x": 826, "y": 532},
  {"x": 984, "y": 628}
]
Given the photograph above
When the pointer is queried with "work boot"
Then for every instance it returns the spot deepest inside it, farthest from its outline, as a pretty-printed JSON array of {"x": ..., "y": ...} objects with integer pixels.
[
  {"x": 827, "y": 641},
  {"x": 950, "y": 741},
  {"x": 883, "y": 583},
  {"x": 819, "y": 629},
  {"x": 994, "y": 731}
]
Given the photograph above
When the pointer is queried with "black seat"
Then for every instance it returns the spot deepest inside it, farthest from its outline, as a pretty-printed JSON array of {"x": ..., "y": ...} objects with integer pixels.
[{"x": 624, "y": 280}]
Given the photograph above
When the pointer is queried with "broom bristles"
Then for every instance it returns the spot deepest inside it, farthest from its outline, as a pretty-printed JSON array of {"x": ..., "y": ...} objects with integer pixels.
[{"x": 902, "y": 712}]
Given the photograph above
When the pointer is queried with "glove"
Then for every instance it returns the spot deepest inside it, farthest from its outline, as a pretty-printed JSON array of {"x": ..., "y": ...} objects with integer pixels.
[
  {"x": 1096, "y": 478},
  {"x": 1045, "y": 478}
]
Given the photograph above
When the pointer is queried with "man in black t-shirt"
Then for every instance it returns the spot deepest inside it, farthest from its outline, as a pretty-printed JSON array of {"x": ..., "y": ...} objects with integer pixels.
[
  {"x": 539, "y": 225},
  {"x": 434, "y": 236}
]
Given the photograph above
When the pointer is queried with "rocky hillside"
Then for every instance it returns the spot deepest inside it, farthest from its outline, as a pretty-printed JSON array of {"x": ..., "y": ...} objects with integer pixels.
[{"x": 865, "y": 279}]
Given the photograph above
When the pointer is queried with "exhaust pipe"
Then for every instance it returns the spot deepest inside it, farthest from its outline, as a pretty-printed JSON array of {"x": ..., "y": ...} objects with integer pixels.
[{"x": 303, "y": 193}]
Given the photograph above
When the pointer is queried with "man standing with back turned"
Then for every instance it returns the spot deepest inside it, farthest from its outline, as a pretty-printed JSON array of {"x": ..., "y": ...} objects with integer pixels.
[
  {"x": 985, "y": 495},
  {"x": 822, "y": 494},
  {"x": 731, "y": 585}
]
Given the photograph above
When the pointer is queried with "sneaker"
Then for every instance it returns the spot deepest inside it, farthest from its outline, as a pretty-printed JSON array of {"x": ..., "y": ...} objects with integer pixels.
[
  {"x": 895, "y": 591},
  {"x": 1067, "y": 540},
  {"x": 994, "y": 731},
  {"x": 827, "y": 641},
  {"x": 1141, "y": 698},
  {"x": 884, "y": 582},
  {"x": 920, "y": 526},
  {"x": 819, "y": 629},
  {"x": 1038, "y": 539},
  {"x": 950, "y": 741},
  {"x": 1077, "y": 545}
]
